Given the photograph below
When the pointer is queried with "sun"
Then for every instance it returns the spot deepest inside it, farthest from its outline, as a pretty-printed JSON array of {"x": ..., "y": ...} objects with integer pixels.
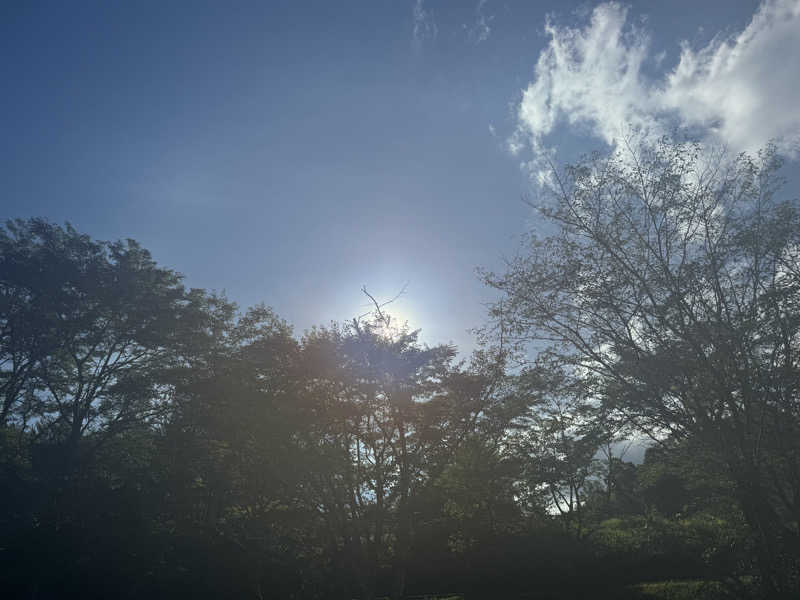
[
  {"x": 394, "y": 315},
  {"x": 400, "y": 317}
]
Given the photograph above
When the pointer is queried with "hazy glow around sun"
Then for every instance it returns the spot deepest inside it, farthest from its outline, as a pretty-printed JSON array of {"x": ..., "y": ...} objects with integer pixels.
[
  {"x": 401, "y": 315},
  {"x": 398, "y": 310}
]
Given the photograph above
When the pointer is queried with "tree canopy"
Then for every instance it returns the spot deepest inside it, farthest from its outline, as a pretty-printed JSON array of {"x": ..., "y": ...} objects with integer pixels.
[
  {"x": 160, "y": 441},
  {"x": 670, "y": 277}
]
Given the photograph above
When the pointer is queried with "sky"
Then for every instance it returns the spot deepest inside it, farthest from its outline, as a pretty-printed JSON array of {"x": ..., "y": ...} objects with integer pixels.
[{"x": 292, "y": 152}]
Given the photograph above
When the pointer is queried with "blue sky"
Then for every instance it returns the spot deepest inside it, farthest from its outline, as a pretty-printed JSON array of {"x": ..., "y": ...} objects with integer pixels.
[{"x": 291, "y": 152}]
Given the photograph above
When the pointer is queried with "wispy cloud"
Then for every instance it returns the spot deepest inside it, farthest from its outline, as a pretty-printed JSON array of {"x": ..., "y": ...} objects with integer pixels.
[
  {"x": 739, "y": 90},
  {"x": 481, "y": 29},
  {"x": 425, "y": 27}
]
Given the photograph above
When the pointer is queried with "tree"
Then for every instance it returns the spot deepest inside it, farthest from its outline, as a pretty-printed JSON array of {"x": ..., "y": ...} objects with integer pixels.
[
  {"x": 388, "y": 418},
  {"x": 92, "y": 337},
  {"x": 89, "y": 330},
  {"x": 365, "y": 392},
  {"x": 232, "y": 470},
  {"x": 558, "y": 438},
  {"x": 477, "y": 493},
  {"x": 671, "y": 273}
]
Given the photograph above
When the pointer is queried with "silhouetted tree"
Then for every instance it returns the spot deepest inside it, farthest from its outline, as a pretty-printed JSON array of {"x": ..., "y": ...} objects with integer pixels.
[
  {"x": 89, "y": 330},
  {"x": 672, "y": 274},
  {"x": 558, "y": 438}
]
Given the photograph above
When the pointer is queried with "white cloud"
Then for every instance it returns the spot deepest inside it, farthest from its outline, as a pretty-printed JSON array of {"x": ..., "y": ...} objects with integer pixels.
[
  {"x": 738, "y": 90},
  {"x": 481, "y": 28},
  {"x": 424, "y": 24}
]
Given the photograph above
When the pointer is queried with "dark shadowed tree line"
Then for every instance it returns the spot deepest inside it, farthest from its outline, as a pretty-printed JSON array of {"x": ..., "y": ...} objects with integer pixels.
[{"x": 156, "y": 441}]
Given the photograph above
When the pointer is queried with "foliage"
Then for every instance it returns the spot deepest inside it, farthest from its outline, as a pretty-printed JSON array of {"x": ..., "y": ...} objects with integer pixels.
[
  {"x": 670, "y": 277},
  {"x": 159, "y": 442}
]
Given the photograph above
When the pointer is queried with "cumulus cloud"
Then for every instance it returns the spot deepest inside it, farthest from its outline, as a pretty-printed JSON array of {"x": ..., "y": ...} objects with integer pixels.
[
  {"x": 739, "y": 90},
  {"x": 425, "y": 27}
]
